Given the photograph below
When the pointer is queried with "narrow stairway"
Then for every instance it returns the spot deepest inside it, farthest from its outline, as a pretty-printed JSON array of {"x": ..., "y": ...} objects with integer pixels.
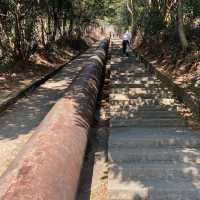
[{"x": 152, "y": 153}]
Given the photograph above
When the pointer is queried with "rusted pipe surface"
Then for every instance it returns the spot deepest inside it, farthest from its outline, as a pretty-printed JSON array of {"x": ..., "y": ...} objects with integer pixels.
[{"x": 48, "y": 168}]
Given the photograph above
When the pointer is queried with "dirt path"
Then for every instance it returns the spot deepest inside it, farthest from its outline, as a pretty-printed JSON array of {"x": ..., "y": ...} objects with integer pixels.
[
  {"x": 16, "y": 77},
  {"x": 19, "y": 122}
]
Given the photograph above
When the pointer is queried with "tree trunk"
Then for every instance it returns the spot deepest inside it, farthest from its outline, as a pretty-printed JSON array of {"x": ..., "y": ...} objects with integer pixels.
[
  {"x": 18, "y": 50},
  {"x": 55, "y": 19},
  {"x": 71, "y": 26},
  {"x": 42, "y": 30},
  {"x": 64, "y": 23},
  {"x": 181, "y": 31},
  {"x": 49, "y": 26},
  {"x": 131, "y": 10}
]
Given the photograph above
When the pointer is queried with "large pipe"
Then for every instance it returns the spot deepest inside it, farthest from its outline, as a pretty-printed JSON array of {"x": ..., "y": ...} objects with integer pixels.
[{"x": 48, "y": 167}]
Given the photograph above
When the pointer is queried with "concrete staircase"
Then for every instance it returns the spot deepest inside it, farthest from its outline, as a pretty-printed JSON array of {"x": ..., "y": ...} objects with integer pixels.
[{"x": 152, "y": 153}]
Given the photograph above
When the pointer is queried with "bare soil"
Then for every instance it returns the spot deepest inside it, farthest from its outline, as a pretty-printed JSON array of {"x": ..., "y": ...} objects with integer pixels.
[
  {"x": 182, "y": 67},
  {"x": 167, "y": 57},
  {"x": 17, "y": 76}
]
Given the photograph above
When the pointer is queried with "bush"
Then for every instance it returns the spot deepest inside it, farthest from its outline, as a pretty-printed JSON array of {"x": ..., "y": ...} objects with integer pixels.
[{"x": 153, "y": 22}]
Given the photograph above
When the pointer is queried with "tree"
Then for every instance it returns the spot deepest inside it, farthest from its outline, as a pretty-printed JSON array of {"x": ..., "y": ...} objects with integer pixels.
[
  {"x": 181, "y": 30},
  {"x": 25, "y": 24}
]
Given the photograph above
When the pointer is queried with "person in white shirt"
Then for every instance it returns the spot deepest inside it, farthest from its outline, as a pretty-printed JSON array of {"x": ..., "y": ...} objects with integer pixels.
[{"x": 126, "y": 41}]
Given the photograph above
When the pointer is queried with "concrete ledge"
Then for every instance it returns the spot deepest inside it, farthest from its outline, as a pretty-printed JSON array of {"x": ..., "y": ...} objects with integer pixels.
[
  {"x": 182, "y": 94},
  {"x": 48, "y": 167},
  {"x": 34, "y": 85}
]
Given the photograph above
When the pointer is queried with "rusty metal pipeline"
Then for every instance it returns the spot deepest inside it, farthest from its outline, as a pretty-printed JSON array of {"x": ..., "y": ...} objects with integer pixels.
[{"x": 49, "y": 166}]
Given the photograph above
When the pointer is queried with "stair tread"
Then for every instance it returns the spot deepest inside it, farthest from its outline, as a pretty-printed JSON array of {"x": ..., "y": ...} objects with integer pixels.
[
  {"x": 128, "y": 184},
  {"x": 156, "y": 166},
  {"x": 142, "y": 192},
  {"x": 142, "y": 172},
  {"x": 131, "y": 137},
  {"x": 118, "y": 155},
  {"x": 143, "y": 114},
  {"x": 116, "y": 84},
  {"x": 148, "y": 122},
  {"x": 143, "y": 120},
  {"x": 145, "y": 108},
  {"x": 130, "y": 133},
  {"x": 152, "y": 154}
]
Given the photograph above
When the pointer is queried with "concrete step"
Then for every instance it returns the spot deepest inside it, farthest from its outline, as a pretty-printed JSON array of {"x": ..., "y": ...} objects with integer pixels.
[
  {"x": 137, "y": 89},
  {"x": 143, "y": 77},
  {"x": 118, "y": 156},
  {"x": 130, "y": 62},
  {"x": 130, "y": 68},
  {"x": 152, "y": 155},
  {"x": 126, "y": 100},
  {"x": 124, "y": 75},
  {"x": 159, "y": 143},
  {"x": 122, "y": 116},
  {"x": 141, "y": 96},
  {"x": 153, "y": 91},
  {"x": 134, "y": 106},
  {"x": 151, "y": 171},
  {"x": 127, "y": 75},
  {"x": 139, "y": 75},
  {"x": 127, "y": 71},
  {"x": 134, "y": 83},
  {"x": 132, "y": 138},
  {"x": 125, "y": 134},
  {"x": 132, "y": 80},
  {"x": 149, "y": 90},
  {"x": 153, "y": 191},
  {"x": 147, "y": 123},
  {"x": 119, "y": 84},
  {"x": 144, "y": 114},
  {"x": 121, "y": 100},
  {"x": 117, "y": 74}
]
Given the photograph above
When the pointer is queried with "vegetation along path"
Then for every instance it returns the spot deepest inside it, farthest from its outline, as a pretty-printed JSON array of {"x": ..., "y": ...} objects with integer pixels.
[
  {"x": 20, "y": 120},
  {"x": 152, "y": 153}
]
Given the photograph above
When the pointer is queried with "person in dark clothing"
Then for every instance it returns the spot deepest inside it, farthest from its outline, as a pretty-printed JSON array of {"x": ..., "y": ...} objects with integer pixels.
[
  {"x": 125, "y": 44},
  {"x": 126, "y": 41}
]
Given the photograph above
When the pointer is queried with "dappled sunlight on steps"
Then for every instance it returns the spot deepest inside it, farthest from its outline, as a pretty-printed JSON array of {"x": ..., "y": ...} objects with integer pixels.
[{"x": 153, "y": 155}]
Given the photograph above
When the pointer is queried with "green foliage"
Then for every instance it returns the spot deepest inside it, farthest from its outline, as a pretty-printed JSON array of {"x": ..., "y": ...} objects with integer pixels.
[
  {"x": 193, "y": 8},
  {"x": 155, "y": 16},
  {"x": 25, "y": 24},
  {"x": 153, "y": 22}
]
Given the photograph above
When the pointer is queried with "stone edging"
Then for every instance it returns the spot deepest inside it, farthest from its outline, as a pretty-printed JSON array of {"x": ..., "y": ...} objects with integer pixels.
[
  {"x": 182, "y": 94},
  {"x": 31, "y": 87}
]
